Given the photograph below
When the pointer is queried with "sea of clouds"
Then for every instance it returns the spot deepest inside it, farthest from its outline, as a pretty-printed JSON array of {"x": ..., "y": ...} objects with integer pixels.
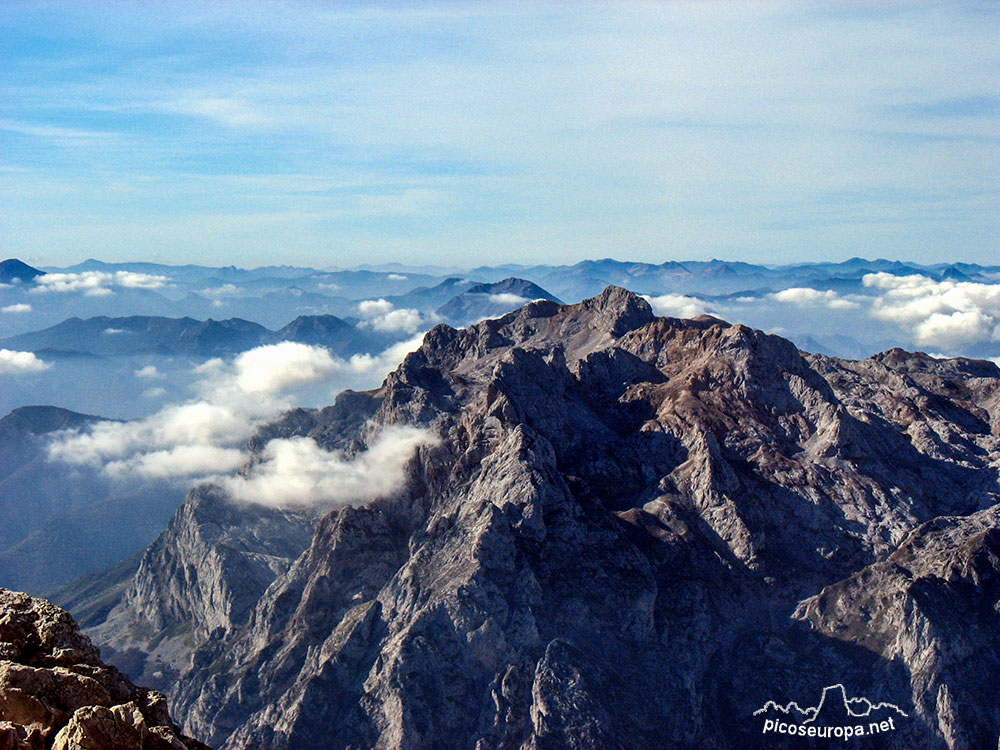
[
  {"x": 948, "y": 317},
  {"x": 202, "y": 439}
]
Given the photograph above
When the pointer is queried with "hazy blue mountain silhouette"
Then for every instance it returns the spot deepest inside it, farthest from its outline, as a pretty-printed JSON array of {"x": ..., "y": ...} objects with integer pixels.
[
  {"x": 143, "y": 334},
  {"x": 13, "y": 271}
]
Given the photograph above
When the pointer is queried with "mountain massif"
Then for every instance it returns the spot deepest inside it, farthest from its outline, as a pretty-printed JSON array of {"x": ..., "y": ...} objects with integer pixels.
[{"x": 626, "y": 532}]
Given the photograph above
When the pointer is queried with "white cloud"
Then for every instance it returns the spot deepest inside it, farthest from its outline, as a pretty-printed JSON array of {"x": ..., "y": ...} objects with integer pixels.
[
  {"x": 366, "y": 363},
  {"x": 381, "y": 315},
  {"x": 131, "y": 280},
  {"x": 178, "y": 461},
  {"x": 506, "y": 298},
  {"x": 19, "y": 307},
  {"x": 192, "y": 423},
  {"x": 234, "y": 399},
  {"x": 97, "y": 283},
  {"x": 275, "y": 368},
  {"x": 955, "y": 329},
  {"x": 231, "y": 112},
  {"x": 71, "y": 282},
  {"x": 202, "y": 436},
  {"x": 942, "y": 314},
  {"x": 226, "y": 290},
  {"x": 676, "y": 305},
  {"x": 396, "y": 277},
  {"x": 149, "y": 371},
  {"x": 371, "y": 308},
  {"x": 296, "y": 471},
  {"x": 113, "y": 331},
  {"x": 20, "y": 363},
  {"x": 808, "y": 297},
  {"x": 154, "y": 392},
  {"x": 398, "y": 321}
]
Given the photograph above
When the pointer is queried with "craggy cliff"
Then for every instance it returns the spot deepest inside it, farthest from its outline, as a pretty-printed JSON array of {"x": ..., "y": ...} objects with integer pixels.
[
  {"x": 55, "y": 692},
  {"x": 633, "y": 532}
]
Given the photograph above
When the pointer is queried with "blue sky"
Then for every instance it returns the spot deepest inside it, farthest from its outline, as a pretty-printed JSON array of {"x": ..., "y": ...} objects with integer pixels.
[{"x": 465, "y": 133}]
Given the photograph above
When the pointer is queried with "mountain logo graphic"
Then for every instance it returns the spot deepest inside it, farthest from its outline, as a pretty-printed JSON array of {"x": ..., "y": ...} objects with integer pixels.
[{"x": 835, "y": 715}]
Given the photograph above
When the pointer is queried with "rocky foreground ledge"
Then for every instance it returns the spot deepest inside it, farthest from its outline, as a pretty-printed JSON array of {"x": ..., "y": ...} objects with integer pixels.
[{"x": 55, "y": 692}]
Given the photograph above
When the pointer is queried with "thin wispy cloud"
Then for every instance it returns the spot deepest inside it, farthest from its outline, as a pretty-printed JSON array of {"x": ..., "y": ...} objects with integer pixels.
[
  {"x": 50, "y": 131},
  {"x": 755, "y": 131},
  {"x": 233, "y": 113}
]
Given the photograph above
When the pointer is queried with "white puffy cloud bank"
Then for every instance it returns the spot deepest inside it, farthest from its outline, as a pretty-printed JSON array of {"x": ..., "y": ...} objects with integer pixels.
[
  {"x": 381, "y": 315},
  {"x": 808, "y": 297},
  {"x": 676, "y": 306},
  {"x": 948, "y": 316},
  {"x": 97, "y": 283},
  {"x": 945, "y": 314},
  {"x": 296, "y": 471},
  {"x": 507, "y": 298},
  {"x": 202, "y": 439},
  {"x": 20, "y": 363}
]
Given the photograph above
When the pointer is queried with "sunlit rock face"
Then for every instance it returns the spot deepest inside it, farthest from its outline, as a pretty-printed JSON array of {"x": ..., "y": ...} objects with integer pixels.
[{"x": 55, "y": 692}]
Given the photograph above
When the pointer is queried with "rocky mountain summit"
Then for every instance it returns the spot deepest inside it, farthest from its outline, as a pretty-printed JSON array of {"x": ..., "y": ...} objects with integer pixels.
[
  {"x": 55, "y": 692},
  {"x": 632, "y": 532}
]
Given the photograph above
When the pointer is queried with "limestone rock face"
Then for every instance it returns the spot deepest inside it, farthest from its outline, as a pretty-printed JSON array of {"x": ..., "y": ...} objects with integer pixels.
[
  {"x": 633, "y": 532},
  {"x": 934, "y": 604},
  {"x": 200, "y": 578},
  {"x": 55, "y": 692}
]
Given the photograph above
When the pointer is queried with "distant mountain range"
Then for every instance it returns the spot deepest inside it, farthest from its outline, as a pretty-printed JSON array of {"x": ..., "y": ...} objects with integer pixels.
[
  {"x": 271, "y": 296},
  {"x": 463, "y": 302},
  {"x": 186, "y": 336}
]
